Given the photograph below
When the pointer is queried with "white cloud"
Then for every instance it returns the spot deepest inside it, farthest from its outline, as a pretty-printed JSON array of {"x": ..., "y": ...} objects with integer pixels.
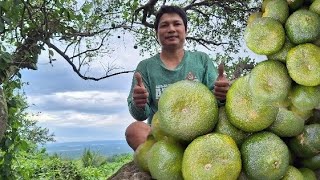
[
  {"x": 77, "y": 119},
  {"x": 98, "y": 101}
]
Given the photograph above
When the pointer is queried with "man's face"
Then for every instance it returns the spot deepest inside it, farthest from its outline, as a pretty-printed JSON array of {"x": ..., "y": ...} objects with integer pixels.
[{"x": 171, "y": 31}]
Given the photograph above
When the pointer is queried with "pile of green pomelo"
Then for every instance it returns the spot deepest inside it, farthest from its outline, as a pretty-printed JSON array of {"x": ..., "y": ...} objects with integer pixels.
[{"x": 269, "y": 128}]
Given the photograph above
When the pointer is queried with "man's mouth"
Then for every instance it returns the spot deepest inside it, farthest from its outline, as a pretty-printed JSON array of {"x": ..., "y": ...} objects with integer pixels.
[{"x": 171, "y": 37}]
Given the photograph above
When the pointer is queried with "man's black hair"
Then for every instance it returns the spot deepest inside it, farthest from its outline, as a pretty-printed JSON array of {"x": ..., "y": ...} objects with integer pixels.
[{"x": 172, "y": 10}]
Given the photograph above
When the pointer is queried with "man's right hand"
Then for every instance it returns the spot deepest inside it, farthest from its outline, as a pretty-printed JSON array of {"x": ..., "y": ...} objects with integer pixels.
[{"x": 140, "y": 94}]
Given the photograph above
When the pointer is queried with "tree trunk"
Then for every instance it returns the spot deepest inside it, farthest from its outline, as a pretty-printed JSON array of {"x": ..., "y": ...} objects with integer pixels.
[{"x": 3, "y": 114}]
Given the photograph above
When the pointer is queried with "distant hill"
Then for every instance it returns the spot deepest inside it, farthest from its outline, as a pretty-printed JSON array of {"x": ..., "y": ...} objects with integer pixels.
[{"x": 74, "y": 150}]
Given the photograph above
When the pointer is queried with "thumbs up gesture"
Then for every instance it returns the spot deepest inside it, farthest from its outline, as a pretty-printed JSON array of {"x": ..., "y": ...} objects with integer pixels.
[
  {"x": 221, "y": 86},
  {"x": 140, "y": 93}
]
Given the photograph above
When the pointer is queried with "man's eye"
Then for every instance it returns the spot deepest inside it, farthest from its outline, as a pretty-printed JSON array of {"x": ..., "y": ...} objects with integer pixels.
[{"x": 163, "y": 25}]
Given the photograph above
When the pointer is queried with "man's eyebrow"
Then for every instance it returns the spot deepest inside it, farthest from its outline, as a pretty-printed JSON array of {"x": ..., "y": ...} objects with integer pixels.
[{"x": 168, "y": 21}]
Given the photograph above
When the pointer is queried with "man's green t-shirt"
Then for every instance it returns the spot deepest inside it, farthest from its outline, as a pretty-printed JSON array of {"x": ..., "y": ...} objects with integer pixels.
[{"x": 196, "y": 66}]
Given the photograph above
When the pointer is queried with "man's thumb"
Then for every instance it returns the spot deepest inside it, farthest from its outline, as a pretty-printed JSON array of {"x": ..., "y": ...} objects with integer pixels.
[
  {"x": 221, "y": 70},
  {"x": 138, "y": 77}
]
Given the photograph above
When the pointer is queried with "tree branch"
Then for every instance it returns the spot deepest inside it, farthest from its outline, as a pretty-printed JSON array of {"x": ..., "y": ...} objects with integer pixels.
[{"x": 67, "y": 58}]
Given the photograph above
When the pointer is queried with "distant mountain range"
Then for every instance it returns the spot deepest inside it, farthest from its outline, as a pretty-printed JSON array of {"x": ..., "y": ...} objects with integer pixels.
[{"x": 75, "y": 149}]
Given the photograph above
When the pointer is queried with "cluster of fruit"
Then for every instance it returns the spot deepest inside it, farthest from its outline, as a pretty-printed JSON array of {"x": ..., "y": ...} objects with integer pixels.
[{"x": 269, "y": 127}]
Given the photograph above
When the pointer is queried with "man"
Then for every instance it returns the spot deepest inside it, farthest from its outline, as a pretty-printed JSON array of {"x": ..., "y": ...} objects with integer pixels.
[{"x": 172, "y": 64}]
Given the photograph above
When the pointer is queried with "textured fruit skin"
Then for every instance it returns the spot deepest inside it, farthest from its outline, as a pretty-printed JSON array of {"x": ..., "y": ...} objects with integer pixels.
[
  {"x": 225, "y": 127},
  {"x": 264, "y": 36},
  {"x": 211, "y": 156},
  {"x": 293, "y": 173},
  {"x": 157, "y": 133},
  {"x": 270, "y": 81},
  {"x": 281, "y": 55},
  {"x": 303, "y": 26},
  {"x": 187, "y": 109},
  {"x": 307, "y": 144},
  {"x": 287, "y": 124},
  {"x": 295, "y": 4},
  {"x": 305, "y": 97},
  {"x": 165, "y": 160},
  {"x": 245, "y": 112},
  {"x": 308, "y": 174},
  {"x": 277, "y": 9},
  {"x": 303, "y": 63},
  {"x": 265, "y": 156},
  {"x": 315, "y": 7},
  {"x": 312, "y": 162},
  {"x": 141, "y": 154}
]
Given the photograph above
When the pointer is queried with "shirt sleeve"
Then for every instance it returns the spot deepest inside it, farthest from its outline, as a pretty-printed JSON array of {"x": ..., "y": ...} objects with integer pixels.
[
  {"x": 210, "y": 74},
  {"x": 137, "y": 113}
]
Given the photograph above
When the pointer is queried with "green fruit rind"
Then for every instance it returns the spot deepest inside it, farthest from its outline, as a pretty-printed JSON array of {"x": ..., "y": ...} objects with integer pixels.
[
  {"x": 277, "y": 9},
  {"x": 303, "y": 26},
  {"x": 308, "y": 174},
  {"x": 165, "y": 159},
  {"x": 282, "y": 54},
  {"x": 293, "y": 173},
  {"x": 315, "y": 7},
  {"x": 264, "y": 36},
  {"x": 187, "y": 109},
  {"x": 312, "y": 162},
  {"x": 140, "y": 156},
  {"x": 265, "y": 156},
  {"x": 307, "y": 144},
  {"x": 303, "y": 63},
  {"x": 287, "y": 124},
  {"x": 245, "y": 112},
  {"x": 305, "y": 97},
  {"x": 225, "y": 127},
  {"x": 270, "y": 82},
  {"x": 211, "y": 156}
]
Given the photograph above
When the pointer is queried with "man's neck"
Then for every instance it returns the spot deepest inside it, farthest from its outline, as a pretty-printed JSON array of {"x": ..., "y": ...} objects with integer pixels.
[{"x": 172, "y": 58}]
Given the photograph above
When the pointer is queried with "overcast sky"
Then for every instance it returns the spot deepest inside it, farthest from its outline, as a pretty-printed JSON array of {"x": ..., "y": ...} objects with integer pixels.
[{"x": 81, "y": 110}]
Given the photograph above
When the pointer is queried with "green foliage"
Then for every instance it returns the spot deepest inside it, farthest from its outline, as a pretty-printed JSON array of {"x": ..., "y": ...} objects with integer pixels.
[
  {"x": 92, "y": 159},
  {"x": 22, "y": 134}
]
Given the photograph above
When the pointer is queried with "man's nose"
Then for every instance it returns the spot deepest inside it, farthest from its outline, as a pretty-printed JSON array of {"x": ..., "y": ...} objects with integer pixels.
[{"x": 171, "y": 28}]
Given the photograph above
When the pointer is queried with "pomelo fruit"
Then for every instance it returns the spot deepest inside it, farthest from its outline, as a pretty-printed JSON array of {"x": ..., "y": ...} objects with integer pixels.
[
  {"x": 211, "y": 156},
  {"x": 265, "y": 156},
  {"x": 187, "y": 109}
]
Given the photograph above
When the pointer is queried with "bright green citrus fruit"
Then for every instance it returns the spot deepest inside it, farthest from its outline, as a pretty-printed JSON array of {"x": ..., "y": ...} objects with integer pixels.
[
  {"x": 187, "y": 109},
  {"x": 141, "y": 154},
  {"x": 315, "y": 7},
  {"x": 307, "y": 144},
  {"x": 277, "y": 9},
  {"x": 265, "y": 156},
  {"x": 270, "y": 82},
  {"x": 308, "y": 174},
  {"x": 305, "y": 97},
  {"x": 253, "y": 16},
  {"x": 157, "y": 133},
  {"x": 165, "y": 159},
  {"x": 225, "y": 127},
  {"x": 292, "y": 174},
  {"x": 303, "y": 63},
  {"x": 244, "y": 111},
  {"x": 303, "y": 26},
  {"x": 282, "y": 54},
  {"x": 287, "y": 124},
  {"x": 211, "y": 156},
  {"x": 264, "y": 36},
  {"x": 304, "y": 114}
]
